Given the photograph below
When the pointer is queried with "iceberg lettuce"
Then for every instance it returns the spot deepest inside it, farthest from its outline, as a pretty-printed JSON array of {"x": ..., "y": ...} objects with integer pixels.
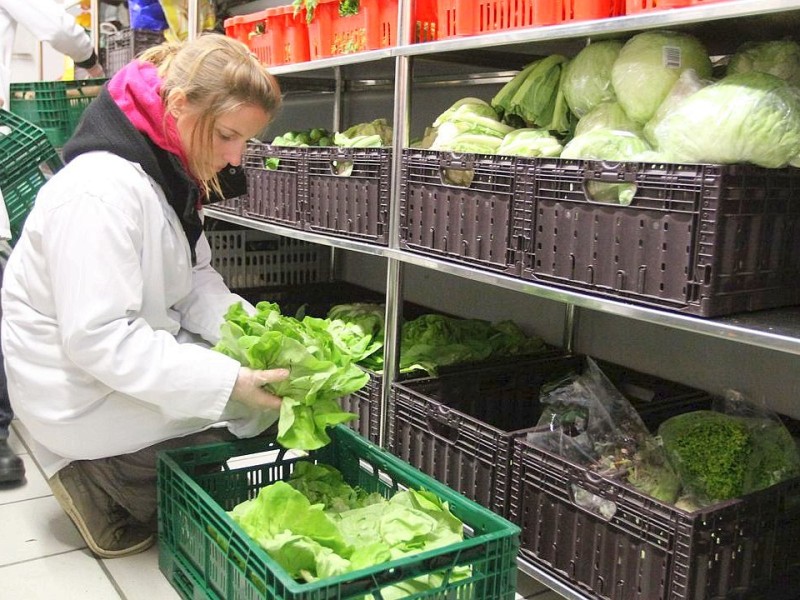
[{"x": 743, "y": 118}]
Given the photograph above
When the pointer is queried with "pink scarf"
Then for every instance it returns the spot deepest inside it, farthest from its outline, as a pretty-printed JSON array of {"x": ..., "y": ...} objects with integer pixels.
[{"x": 136, "y": 89}]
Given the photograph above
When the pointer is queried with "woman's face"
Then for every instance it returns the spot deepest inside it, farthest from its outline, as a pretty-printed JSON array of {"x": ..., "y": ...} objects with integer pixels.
[{"x": 230, "y": 134}]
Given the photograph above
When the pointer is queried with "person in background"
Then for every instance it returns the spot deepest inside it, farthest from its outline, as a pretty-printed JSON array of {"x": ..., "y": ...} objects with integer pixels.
[
  {"x": 50, "y": 23},
  {"x": 110, "y": 303}
]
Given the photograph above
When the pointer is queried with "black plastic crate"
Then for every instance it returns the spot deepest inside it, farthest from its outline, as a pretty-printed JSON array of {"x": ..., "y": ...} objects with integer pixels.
[
  {"x": 707, "y": 240},
  {"x": 638, "y": 548},
  {"x": 123, "y": 46},
  {"x": 348, "y": 193},
  {"x": 313, "y": 298},
  {"x": 460, "y": 427},
  {"x": 276, "y": 183},
  {"x": 470, "y": 223},
  {"x": 233, "y": 206}
]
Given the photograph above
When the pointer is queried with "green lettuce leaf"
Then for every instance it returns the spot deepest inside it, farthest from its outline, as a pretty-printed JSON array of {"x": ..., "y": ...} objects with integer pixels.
[{"x": 321, "y": 364}]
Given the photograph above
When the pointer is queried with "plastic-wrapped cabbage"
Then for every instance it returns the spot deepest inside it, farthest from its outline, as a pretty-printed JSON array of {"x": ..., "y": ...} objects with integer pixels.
[
  {"x": 586, "y": 80},
  {"x": 780, "y": 58},
  {"x": 608, "y": 144},
  {"x": 688, "y": 83},
  {"x": 606, "y": 115},
  {"x": 721, "y": 456},
  {"x": 530, "y": 142},
  {"x": 744, "y": 118},
  {"x": 648, "y": 66}
]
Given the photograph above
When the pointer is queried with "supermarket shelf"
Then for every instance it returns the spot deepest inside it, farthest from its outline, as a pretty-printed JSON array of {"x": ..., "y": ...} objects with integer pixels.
[
  {"x": 728, "y": 24},
  {"x": 357, "y": 58},
  {"x": 777, "y": 329},
  {"x": 308, "y": 236},
  {"x": 544, "y": 578}
]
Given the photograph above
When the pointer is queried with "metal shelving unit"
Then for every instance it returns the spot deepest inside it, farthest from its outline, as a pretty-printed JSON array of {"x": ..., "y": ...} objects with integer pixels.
[{"x": 722, "y": 25}]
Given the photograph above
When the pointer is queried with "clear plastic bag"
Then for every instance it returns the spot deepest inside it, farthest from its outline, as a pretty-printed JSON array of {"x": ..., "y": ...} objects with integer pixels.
[
  {"x": 588, "y": 421},
  {"x": 734, "y": 449}
]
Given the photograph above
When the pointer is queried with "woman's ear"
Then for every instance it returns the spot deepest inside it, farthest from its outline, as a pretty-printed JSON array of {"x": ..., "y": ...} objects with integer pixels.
[{"x": 176, "y": 102}]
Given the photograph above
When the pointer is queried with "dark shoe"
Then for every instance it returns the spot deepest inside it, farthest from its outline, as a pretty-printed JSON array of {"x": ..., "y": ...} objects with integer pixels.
[
  {"x": 108, "y": 529},
  {"x": 12, "y": 469}
]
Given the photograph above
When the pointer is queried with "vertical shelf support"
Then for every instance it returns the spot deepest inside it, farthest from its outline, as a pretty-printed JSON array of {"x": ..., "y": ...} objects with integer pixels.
[{"x": 394, "y": 267}]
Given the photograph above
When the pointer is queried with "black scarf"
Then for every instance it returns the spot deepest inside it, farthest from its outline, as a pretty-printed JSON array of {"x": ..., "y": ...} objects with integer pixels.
[{"x": 104, "y": 127}]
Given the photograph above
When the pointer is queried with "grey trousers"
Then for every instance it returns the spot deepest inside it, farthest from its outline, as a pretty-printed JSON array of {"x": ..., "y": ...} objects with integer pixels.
[{"x": 130, "y": 479}]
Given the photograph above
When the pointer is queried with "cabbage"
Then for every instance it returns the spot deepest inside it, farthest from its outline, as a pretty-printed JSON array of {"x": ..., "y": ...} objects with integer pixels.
[
  {"x": 474, "y": 106},
  {"x": 688, "y": 83},
  {"x": 779, "y": 58},
  {"x": 608, "y": 144},
  {"x": 748, "y": 117},
  {"x": 530, "y": 142},
  {"x": 606, "y": 115},
  {"x": 586, "y": 80},
  {"x": 648, "y": 66}
]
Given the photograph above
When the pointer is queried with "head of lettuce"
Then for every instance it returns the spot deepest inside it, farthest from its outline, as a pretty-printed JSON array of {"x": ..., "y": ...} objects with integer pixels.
[
  {"x": 320, "y": 355},
  {"x": 648, "y": 66},
  {"x": 743, "y": 118}
]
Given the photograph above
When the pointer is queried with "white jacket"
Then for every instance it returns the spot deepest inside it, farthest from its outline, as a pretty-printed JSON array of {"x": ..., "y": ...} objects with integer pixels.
[
  {"x": 97, "y": 297},
  {"x": 48, "y": 22}
]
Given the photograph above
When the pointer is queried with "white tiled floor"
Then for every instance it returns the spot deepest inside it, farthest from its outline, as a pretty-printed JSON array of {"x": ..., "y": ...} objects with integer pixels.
[{"x": 42, "y": 556}]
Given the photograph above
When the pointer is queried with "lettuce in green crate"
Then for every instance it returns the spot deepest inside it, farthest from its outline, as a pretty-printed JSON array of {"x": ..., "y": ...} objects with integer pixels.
[
  {"x": 320, "y": 355},
  {"x": 315, "y": 525}
]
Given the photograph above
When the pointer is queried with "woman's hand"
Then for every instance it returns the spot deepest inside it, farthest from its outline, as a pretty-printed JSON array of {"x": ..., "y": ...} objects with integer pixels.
[{"x": 249, "y": 388}]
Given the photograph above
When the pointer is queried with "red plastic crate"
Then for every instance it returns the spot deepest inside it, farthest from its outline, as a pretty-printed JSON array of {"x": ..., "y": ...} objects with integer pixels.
[
  {"x": 634, "y": 6},
  {"x": 285, "y": 39},
  {"x": 425, "y": 18},
  {"x": 373, "y": 28},
  {"x": 244, "y": 27},
  {"x": 472, "y": 17},
  {"x": 581, "y": 10},
  {"x": 237, "y": 28}
]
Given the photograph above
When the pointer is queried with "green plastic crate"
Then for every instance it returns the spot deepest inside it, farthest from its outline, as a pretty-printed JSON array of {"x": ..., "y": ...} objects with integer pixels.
[
  {"x": 43, "y": 103},
  {"x": 80, "y": 94},
  {"x": 27, "y": 158},
  {"x": 204, "y": 554}
]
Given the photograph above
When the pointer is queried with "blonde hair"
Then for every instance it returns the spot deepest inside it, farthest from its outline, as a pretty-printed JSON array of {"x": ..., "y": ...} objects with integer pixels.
[{"x": 217, "y": 74}]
